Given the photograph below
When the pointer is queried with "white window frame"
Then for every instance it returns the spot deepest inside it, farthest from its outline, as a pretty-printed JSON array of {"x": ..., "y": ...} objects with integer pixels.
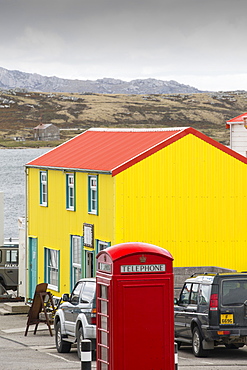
[
  {"x": 52, "y": 257},
  {"x": 102, "y": 245},
  {"x": 43, "y": 189},
  {"x": 70, "y": 191},
  {"x": 76, "y": 257},
  {"x": 93, "y": 195}
]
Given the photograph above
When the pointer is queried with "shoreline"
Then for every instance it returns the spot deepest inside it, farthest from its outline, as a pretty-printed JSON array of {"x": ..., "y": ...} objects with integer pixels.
[{"x": 28, "y": 147}]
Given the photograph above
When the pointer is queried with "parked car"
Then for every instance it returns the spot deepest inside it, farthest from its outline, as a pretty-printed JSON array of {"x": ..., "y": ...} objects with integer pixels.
[
  {"x": 8, "y": 267},
  {"x": 75, "y": 318},
  {"x": 212, "y": 310}
]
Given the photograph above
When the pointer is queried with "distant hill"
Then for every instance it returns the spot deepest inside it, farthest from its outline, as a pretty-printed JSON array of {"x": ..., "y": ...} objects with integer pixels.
[
  {"x": 35, "y": 82},
  {"x": 21, "y": 111}
]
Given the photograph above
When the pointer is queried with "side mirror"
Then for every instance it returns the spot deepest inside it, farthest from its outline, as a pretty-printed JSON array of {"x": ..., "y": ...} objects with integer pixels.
[{"x": 65, "y": 297}]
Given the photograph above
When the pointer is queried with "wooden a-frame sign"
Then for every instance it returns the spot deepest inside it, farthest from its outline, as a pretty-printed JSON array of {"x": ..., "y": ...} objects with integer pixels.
[{"x": 39, "y": 305}]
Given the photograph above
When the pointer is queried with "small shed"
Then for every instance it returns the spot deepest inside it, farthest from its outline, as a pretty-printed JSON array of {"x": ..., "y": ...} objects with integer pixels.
[
  {"x": 46, "y": 132},
  {"x": 238, "y": 133}
]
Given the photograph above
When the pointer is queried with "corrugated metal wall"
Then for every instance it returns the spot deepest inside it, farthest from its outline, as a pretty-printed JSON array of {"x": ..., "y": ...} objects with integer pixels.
[{"x": 189, "y": 198}]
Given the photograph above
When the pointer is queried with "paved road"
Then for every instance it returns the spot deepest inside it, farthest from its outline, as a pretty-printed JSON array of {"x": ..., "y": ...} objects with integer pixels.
[{"x": 38, "y": 352}]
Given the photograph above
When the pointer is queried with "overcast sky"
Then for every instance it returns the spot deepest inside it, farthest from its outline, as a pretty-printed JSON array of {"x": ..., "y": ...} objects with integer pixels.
[{"x": 201, "y": 43}]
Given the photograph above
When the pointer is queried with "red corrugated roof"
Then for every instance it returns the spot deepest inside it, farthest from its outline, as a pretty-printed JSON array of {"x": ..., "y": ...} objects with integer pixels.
[
  {"x": 237, "y": 119},
  {"x": 109, "y": 150}
]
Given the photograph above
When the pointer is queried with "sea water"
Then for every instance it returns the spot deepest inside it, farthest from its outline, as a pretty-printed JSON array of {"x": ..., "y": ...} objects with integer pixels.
[{"x": 12, "y": 184}]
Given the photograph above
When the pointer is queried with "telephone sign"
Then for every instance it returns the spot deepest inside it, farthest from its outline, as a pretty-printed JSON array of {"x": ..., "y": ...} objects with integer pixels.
[{"x": 142, "y": 268}]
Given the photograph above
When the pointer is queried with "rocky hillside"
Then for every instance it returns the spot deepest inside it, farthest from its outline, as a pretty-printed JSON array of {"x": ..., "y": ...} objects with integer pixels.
[
  {"x": 35, "y": 82},
  {"x": 20, "y": 112}
]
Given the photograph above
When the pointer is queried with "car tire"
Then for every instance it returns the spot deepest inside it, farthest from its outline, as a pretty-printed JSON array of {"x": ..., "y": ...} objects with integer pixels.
[
  {"x": 2, "y": 287},
  {"x": 61, "y": 345},
  {"x": 79, "y": 338},
  {"x": 197, "y": 348}
]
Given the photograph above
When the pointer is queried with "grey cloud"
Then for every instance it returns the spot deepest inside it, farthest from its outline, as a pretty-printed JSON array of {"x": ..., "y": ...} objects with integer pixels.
[{"x": 135, "y": 36}]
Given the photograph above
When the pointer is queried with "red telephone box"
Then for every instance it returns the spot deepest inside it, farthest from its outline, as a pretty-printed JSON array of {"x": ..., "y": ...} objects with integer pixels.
[{"x": 135, "y": 311}]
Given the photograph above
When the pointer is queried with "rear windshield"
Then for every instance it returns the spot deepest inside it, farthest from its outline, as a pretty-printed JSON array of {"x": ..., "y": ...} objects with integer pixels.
[{"x": 234, "y": 292}]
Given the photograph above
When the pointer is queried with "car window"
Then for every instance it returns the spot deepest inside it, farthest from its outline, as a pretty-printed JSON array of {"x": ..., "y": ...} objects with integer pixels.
[
  {"x": 234, "y": 292},
  {"x": 88, "y": 292},
  {"x": 194, "y": 294},
  {"x": 185, "y": 294},
  {"x": 204, "y": 294},
  {"x": 74, "y": 298}
]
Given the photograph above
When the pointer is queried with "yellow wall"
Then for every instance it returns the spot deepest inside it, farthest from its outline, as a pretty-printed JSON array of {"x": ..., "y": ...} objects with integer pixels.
[
  {"x": 53, "y": 225},
  {"x": 191, "y": 201}
]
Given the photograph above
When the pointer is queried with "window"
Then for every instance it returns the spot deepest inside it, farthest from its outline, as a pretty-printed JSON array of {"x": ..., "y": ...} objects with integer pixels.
[
  {"x": 52, "y": 268},
  {"x": 101, "y": 245},
  {"x": 11, "y": 256},
  {"x": 204, "y": 294},
  {"x": 88, "y": 292},
  {"x": 75, "y": 295},
  {"x": 234, "y": 292},
  {"x": 76, "y": 259},
  {"x": 70, "y": 191},
  {"x": 185, "y": 294},
  {"x": 194, "y": 294},
  {"x": 43, "y": 189},
  {"x": 93, "y": 195}
]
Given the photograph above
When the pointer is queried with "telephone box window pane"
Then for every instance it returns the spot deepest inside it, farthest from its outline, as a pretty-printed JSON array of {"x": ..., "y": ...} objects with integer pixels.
[
  {"x": 104, "y": 354},
  {"x": 104, "y": 338},
  {"x": 103, "y": 322},
  {"x": 103, "y": 366},
  {"x": 103, "y": 307},
  {"x": 103, "y": 291}
]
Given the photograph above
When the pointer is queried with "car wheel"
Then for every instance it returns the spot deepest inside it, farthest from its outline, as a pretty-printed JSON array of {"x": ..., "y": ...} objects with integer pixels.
[
  {"x": 198, "y": 351},
  {"x": 2, "y": 287},
  {"x": 79, "y": 339},
  {"x": 61, "y": 345}
]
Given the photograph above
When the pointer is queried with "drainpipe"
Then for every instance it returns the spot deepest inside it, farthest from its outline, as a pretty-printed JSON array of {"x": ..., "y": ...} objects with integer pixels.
[{"x": 26, "y": 228}]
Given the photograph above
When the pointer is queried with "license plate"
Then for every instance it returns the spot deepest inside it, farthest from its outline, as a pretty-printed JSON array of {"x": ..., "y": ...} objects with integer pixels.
[{"x": 226, "y": 319}]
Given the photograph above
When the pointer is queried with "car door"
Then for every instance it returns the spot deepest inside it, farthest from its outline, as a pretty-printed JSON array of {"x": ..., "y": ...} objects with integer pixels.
[
  {"x": 191, "y": 309},
  {"x": 71, "y": 307},
  {"x": 180, "y": 314}
]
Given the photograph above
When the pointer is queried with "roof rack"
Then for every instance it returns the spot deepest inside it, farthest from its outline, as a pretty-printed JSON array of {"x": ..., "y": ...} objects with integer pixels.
[{"x": 204, "y": 273}]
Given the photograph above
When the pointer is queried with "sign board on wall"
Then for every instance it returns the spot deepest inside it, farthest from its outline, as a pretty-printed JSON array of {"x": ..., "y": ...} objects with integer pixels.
[{"x": 88, "y": 234}]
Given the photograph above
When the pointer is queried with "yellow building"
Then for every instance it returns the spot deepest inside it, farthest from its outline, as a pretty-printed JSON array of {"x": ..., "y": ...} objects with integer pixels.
[{"x": 175, "y": 188}]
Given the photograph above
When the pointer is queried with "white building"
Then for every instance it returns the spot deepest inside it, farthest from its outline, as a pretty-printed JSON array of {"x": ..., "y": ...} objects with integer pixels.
[
  {"x": 1, "y": 219},
  {"x": 238, "y": 133}
]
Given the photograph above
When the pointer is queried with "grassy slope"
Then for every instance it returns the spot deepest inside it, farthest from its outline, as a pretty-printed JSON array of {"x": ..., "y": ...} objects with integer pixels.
[{"x": 21, "y": 112}]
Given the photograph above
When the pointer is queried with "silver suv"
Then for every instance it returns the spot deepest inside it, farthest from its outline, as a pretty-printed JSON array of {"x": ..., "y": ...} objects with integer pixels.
[
  {"x": 212, "y": 310},
  {"x": 75, "y": 318}
]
